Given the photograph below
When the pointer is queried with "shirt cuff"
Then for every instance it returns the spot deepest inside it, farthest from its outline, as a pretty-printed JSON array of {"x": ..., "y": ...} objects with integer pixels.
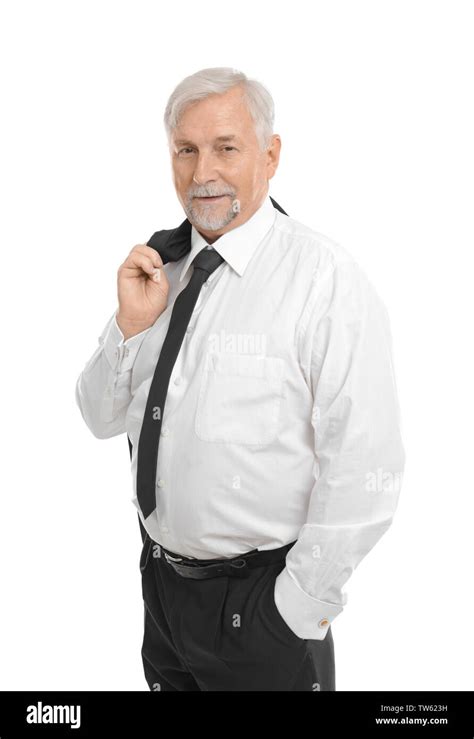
[
  {"x": 121, "y": 353},
  {"x": 308, "y": 617}
]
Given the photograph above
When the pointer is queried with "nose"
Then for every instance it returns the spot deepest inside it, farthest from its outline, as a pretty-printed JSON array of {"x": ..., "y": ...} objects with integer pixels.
[{"x": 205, "y": 170}]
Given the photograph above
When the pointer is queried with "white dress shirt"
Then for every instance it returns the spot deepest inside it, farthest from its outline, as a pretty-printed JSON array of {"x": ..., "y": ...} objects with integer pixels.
[{"x": 281, "y": 421}]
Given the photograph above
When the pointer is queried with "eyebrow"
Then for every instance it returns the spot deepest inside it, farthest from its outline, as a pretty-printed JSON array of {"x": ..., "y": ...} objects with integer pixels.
[{"x": 230, "y": 137}]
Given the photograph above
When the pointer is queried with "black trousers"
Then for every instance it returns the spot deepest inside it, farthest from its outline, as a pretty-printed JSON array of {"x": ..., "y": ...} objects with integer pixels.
[{"x": 224, "y": 633}]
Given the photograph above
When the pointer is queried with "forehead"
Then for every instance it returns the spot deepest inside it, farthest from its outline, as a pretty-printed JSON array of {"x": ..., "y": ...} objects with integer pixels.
[{"x": 216, "y": 118}]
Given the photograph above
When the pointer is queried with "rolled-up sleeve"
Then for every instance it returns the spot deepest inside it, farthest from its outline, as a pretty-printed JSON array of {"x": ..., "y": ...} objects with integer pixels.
[{"x": 346, "y": 355}]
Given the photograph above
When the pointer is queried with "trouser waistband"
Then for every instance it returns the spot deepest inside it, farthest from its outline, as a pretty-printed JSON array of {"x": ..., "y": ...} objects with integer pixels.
[{"x": 235, "y": 567}]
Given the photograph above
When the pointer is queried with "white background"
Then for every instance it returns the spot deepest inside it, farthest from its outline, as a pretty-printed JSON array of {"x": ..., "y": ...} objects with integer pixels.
[{"x": 374, "y": 107}]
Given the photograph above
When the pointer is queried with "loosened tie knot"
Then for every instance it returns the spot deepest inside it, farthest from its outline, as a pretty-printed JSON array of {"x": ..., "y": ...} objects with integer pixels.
[{"x": 208, "y": 260}]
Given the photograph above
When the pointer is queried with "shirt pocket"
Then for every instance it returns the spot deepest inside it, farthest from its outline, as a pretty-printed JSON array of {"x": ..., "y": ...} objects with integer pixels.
[{"x": 239, "y": 398}]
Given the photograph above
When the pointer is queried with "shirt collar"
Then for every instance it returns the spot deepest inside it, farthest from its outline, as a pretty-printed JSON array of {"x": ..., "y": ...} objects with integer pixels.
[{"x": 238, "y": 245}]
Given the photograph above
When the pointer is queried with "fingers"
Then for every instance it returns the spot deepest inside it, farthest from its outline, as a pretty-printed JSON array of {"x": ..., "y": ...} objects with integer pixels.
[
  {"x": 145, "y": 258},
  {"x": 148, "y": 251}
]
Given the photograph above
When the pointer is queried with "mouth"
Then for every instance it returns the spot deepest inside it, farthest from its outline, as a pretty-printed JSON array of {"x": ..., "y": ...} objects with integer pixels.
[{"x": 213, "y": 199}]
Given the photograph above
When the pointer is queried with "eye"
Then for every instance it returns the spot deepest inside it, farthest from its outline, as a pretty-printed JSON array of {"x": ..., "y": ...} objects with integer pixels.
[
  {"x": 184, "y": 149},
  {"x": 230, "y": 147}
]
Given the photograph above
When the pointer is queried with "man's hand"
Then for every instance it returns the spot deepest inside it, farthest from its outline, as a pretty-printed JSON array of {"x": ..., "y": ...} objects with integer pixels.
[{"x": 142, "y": 288}]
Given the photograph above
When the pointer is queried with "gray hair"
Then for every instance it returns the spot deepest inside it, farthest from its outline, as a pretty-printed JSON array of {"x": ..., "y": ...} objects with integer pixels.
[{"x": 217, "y": 80}]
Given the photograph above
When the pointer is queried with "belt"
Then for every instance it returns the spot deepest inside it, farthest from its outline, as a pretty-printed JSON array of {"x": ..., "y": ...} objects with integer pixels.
[{"x": 239, "y": 566}]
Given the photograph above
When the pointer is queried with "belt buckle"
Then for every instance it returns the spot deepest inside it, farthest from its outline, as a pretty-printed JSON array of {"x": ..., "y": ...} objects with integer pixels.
[{"x": 235, "y": 568}]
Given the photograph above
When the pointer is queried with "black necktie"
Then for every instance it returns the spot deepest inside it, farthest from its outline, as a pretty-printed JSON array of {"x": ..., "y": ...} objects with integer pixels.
[{"x": 172, "y": 245}]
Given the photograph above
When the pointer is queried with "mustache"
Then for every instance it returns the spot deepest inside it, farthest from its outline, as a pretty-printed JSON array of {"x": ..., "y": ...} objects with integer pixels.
[{"x": 209, "y": 193}]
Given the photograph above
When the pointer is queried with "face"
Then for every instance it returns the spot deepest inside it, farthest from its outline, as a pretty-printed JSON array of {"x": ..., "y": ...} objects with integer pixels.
[{"x": 219, "y": 171}]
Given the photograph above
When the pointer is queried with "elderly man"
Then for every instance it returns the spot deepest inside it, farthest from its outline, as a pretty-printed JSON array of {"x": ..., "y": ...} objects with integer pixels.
[{"x": 249, "y": 362}]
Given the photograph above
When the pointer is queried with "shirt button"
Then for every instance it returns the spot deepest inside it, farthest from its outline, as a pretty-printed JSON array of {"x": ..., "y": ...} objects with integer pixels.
[
  {"x": 189, "y": 329},
  {"x": 324, "y": 622},
  {"x": 177, "y": 380},
  {"x": 165, "y": 431},
  {"x": 127, "y": 351},
  {"x": 161, "y": 483}
]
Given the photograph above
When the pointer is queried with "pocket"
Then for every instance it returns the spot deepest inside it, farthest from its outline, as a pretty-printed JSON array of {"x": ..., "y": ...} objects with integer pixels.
[
  {"x": 145, "y": 553},
  {"x": 315, "y": 682},
  {"x": 269, "y": 611},
  {"x": 322, "y": 662},
  {"x": 279, "y": 621},
  {"x": 239, "y": 398}
]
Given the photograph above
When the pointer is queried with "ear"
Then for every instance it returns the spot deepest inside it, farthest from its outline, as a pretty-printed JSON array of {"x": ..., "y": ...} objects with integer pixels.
[{"x": 273, "y": 155}]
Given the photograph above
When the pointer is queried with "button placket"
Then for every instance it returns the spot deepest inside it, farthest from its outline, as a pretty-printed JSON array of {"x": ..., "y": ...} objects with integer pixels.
[{"x": 119, "y": 353}]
